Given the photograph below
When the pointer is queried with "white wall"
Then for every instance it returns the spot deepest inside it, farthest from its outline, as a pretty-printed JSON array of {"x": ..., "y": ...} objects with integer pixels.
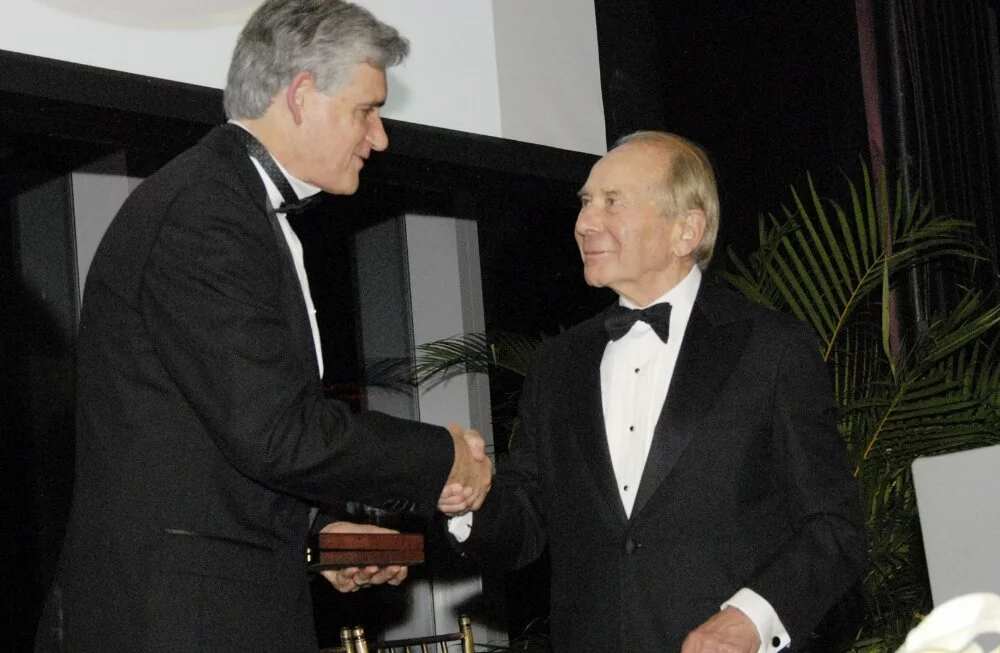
[
  {"x": 548, "y": 73},
  {"x": 450, "y": 78},
  {"x": 195, "y": 51},
  {"x": 454, "y": 78},
  {"x": 960, "y": 521}
]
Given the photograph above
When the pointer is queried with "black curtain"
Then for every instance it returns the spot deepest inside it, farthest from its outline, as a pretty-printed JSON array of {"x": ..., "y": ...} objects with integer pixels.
[
  {"x": 940, "y": 65},
  {"x": 771, "y": 88}
]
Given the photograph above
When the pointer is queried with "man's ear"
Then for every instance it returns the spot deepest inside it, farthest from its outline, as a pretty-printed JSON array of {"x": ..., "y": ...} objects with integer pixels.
[
  {"x": 691, "y": 225},
  {"x": 297, "y": 93}
]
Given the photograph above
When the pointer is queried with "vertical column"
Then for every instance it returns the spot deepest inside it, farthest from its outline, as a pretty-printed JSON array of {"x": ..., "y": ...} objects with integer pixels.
[
  {"x": 386, "y": 333},
  {"x": 99, "y": 190},
  {"x": 384, "y": 309},
  {"x": 446, "y": 296},
  {"x": 447, "y": 300},
  {"x": 44, "y": 234},
  {"x": 419, "y": 281},
  {"x": 38, "y": 341}
]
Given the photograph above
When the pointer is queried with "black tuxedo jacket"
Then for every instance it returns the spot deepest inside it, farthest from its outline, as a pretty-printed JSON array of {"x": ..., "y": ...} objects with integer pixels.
[
  {"x": 746, "y": 485},
  {"x": 203, "y": 436}
]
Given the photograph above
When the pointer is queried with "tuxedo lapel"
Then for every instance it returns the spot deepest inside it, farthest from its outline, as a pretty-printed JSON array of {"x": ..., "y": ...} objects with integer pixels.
[
  {"x": 711, "y": 348},
  {"x": 230, "y": 148},
  {"x": 593, "y": 439},
  {"x": 293, "y": 299}
]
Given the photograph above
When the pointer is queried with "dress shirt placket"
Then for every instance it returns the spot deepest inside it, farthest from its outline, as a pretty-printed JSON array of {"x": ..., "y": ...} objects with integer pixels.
[{"x": 634, "y": 391}]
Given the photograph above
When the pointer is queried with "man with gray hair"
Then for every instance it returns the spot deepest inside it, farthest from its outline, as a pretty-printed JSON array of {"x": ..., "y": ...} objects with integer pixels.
[{"x": 204, "y": 440}]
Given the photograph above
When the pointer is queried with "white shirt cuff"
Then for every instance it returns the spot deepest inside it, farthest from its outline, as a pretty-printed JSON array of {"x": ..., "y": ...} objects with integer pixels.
[
  {"x": 461, "y": 526},
  {"x": 773, "y": 636}
]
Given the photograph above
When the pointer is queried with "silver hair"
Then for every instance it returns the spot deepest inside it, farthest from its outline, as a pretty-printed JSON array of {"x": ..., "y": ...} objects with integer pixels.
[
  {"x": 688, "y": 183},
  {"x": 328, "y": 38}
]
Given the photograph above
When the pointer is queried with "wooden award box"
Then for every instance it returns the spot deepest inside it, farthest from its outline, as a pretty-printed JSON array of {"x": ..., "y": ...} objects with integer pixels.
[{"x": 332, "y": 550}]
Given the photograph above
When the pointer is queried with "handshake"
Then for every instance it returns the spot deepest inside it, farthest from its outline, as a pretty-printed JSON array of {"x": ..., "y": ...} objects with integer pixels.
[
  {"x": 471, "y": 473},
  {"x": 465, "y": 490}
]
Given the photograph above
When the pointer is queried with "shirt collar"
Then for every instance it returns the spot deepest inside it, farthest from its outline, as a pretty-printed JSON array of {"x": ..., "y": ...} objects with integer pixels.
[
  {"x": 681, "y": 296},
  {"x": 302, "y": 189}
]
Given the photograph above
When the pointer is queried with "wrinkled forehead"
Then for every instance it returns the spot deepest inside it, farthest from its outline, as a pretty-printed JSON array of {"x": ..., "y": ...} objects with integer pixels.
[{"x": 633, "y": 165}]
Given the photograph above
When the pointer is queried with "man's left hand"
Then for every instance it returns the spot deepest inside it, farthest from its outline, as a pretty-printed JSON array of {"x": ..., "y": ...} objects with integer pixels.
[
  {"x": 351, "y": 579},
  {"x": 728, "y": 631}
]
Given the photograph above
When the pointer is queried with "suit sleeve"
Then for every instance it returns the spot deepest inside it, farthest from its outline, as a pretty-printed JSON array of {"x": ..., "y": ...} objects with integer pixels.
[
  {"x": 211, "y": 305},
  {"x": 826, "y": 551},
  {"x": 510, "y": 528}
]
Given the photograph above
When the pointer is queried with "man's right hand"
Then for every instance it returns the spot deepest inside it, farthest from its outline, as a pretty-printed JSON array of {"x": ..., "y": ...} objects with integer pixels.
[
  {"x": 728, "y": 631},
  {"x": 471, "y": 473}
]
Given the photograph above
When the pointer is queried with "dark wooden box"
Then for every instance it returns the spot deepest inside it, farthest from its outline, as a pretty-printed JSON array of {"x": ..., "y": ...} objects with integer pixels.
[{"x": 332, "y": 550}]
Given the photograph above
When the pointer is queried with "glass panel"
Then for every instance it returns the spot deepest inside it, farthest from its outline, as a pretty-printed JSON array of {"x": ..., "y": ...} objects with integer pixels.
[{"x": 38, "y": 295}]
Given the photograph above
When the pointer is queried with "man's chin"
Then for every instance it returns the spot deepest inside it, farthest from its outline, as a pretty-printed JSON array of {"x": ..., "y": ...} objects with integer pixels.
[{"x": 343, "y": 187}]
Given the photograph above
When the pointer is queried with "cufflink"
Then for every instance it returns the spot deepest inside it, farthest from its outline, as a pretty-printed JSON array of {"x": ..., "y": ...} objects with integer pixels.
[{"x": 775, "y": 641}]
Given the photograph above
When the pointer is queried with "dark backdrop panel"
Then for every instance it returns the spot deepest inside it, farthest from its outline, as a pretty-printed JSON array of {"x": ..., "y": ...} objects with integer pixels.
[{"x": 771, "y": 88}]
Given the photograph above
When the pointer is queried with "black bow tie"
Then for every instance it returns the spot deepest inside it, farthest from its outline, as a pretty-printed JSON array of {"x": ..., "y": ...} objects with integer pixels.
[
  {"x": 620, "y": 319},
  {"x": 257, "y": 150},
  {"x": 299, "y": 205}
]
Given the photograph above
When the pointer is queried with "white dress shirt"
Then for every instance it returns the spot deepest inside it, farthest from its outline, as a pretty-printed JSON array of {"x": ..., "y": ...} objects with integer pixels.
[
  {"x": 302, "y": 190},
  {"x": 635, "y": 375}
]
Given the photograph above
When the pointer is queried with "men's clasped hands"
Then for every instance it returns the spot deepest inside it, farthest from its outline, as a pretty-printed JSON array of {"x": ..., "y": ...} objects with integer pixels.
[
  {"x": 471, "y": 474},
  {"x": 467, "y": 486}
]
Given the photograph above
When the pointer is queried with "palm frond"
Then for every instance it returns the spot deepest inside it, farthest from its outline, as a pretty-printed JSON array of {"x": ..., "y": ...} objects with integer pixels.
[
  {"x": 835, "y": 266},
  {"x": 823, "y": 265},
  {"x": 473, "y": 352},
  {"x": 486, "y": 353}
]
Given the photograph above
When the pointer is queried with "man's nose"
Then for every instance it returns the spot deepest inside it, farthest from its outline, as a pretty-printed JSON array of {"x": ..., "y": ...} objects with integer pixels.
[
  {"x": 376, "y": 135},
  {"x": 587, "y": 221}
]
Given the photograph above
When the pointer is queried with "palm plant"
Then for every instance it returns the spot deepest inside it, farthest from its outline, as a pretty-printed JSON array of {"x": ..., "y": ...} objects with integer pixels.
[
  {"x": 502, "y": 355},
  {"x": 934, "y": 391}
]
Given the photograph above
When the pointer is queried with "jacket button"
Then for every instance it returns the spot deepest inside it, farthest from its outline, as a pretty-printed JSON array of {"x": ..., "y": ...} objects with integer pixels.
[{"x": 630, "y": 546}]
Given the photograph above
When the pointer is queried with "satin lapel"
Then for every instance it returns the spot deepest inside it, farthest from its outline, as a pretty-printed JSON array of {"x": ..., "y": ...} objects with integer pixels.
[
  {"x": 708, "y": 355},
  {"x": 293, "y": 303},
  {"x": 593, "y": 439},
  {"x": 293, "y": 300}
]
